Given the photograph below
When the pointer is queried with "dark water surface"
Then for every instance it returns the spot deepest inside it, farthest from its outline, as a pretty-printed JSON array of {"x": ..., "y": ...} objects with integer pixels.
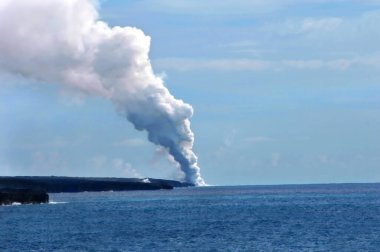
[{"x": 248, "y": 218}]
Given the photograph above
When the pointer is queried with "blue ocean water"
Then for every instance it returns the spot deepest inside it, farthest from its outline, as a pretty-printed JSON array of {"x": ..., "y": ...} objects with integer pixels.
[{"x": 342, "y": 217}]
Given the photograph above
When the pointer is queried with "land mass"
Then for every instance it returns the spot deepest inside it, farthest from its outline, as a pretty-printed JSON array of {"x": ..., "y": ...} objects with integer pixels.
[
  {"x": 56, "y": 184},
  {"x": 23, "y": 196}
]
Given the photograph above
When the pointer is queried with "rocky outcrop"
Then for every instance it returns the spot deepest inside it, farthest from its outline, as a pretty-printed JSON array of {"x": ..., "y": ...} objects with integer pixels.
[
  {"x": 24, "y": 196},
  {"x": 55, "y": 184}
]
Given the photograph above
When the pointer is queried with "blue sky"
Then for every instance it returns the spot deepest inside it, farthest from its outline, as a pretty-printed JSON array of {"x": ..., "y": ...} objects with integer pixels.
[{"x": 283, "y": 92}]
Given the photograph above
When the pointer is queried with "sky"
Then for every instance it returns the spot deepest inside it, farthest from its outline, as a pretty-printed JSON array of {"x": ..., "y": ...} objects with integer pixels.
[{"x": 283, "y": 92}]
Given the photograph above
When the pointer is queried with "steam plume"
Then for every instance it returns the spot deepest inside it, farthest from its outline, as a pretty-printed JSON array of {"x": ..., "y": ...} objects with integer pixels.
[{"x": 63, "y": 42}]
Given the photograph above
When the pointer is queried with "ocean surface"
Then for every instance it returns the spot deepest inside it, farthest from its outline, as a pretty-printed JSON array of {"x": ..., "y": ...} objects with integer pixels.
[{"x": 343, "y": 217}]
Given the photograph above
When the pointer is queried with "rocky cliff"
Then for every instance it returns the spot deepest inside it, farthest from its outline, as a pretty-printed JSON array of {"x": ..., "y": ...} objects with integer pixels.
[{"x": 24, "y": 196}]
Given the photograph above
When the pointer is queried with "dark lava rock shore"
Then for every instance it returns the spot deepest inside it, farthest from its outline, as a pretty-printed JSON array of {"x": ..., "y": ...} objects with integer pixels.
[
  {"x": 56, "y": 184},
  {"x": 24, "y": 196}
]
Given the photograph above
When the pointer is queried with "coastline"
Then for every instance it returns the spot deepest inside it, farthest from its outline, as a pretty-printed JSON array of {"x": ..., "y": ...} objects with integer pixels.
[{"x": 54, "y": 184}]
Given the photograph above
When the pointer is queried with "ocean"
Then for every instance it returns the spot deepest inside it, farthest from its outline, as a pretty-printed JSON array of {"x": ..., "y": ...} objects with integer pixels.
[{"x": 341, "y": 217}]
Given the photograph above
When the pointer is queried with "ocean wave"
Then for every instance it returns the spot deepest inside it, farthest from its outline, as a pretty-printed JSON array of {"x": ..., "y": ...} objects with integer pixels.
[
  {"x": 13, "y": 204},
  {"x": 56, "y": 202}
]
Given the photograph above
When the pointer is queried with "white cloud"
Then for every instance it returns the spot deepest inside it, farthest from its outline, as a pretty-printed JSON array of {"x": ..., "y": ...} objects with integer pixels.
[{"x": 64, "y": 42}]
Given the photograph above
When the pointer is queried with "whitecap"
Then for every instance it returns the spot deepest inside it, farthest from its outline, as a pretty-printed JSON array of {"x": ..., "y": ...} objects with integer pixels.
[{"x": 56, "y": 202}]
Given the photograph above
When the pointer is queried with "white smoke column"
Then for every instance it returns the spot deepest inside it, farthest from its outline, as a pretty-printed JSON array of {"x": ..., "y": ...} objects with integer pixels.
[{"x": 63, "y": 42}]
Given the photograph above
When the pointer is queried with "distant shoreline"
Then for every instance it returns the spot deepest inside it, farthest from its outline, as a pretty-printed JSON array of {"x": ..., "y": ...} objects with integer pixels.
[{"x": 57, "y": 184}]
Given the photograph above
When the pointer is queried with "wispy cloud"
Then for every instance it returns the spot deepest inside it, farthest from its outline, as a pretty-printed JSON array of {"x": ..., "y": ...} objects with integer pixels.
[
  {"x": 108, "y": 165},
  {"x": 305, "y": 43},
  {"x": 186, "y": 64},
  {"x": 275, "y": 159},
  {"x": 213, "y": 7},
  {"x": 323, "y": 158},
  {"x": 304, "y": 25},
  {"x": 43, "y": 162},
  {"x": 246, "y": 47},
  {"x": 241, "y": 64},
  {"x": 131, "y": 142},
  {"x": 7, "y": 170},
  {"x": 259, "y": 139},
  {"x": 230, "y": 7},
  {"x": 226, "y": 144},
  {"x": 354, "y": 33},
  {"x": 327, "y": 24},
  {"x": 57, "y": 142}
]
